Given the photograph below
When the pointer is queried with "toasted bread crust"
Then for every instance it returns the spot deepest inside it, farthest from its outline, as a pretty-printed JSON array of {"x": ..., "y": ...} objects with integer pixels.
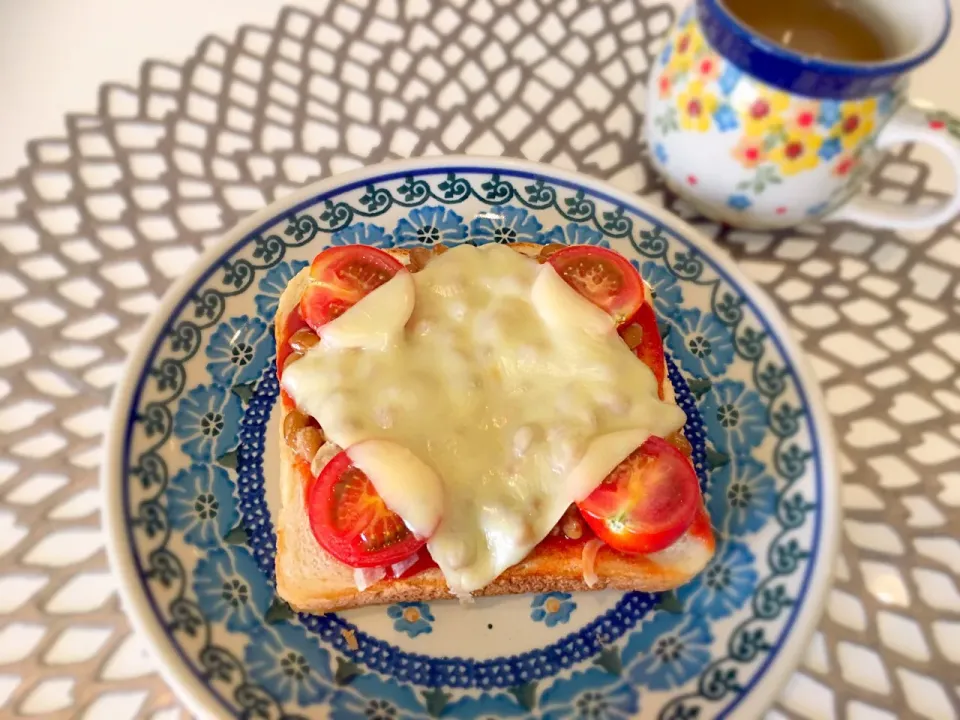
[{"x": 320, "y": 583}]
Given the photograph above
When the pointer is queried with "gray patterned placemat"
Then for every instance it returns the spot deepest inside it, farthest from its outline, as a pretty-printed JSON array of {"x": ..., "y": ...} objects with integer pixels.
[{"x": 95, "y": 226}]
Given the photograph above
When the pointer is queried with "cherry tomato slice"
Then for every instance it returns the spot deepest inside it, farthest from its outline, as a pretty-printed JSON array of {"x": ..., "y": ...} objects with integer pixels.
[
  {"x": 603, "y": 277},
  {"x": 318, "y": 306},
  {"x": 647, "y": 502},
  {"x": 352, "y": 523},
  {"x": 650, "y": 349},
  {"x": 340, "y": 277}
]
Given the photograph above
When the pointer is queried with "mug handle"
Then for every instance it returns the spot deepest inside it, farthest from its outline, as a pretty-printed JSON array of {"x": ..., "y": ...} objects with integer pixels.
[{"x": 910, "y": 124}]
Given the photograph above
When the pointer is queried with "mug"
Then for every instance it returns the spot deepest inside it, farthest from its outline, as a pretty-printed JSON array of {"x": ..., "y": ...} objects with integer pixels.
[{"x": 758, "y": 136}]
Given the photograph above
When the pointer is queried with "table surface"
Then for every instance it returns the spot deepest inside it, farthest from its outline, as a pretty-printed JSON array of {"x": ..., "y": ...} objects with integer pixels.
[
  {"x": 877, "y": 312},
  {"x": 63, "y": 51}
]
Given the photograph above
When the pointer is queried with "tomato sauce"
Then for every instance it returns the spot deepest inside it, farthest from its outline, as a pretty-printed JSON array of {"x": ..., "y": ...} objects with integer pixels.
[
  {"x": 424, "y": 562},
  {"x": 561, "y": 543},
  {"x": 294, "y": 322},
  {"x": 700, "y": 528}
]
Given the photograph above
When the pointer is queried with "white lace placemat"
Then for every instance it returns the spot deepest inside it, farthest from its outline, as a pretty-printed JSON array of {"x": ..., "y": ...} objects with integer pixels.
[{"x": 96, "y": 225}]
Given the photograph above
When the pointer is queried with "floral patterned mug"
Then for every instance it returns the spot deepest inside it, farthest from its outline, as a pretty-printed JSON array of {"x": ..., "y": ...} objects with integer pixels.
[{"x": 758, "y": 136}]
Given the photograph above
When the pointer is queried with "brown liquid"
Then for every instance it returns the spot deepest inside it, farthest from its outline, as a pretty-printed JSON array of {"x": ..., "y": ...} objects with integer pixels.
[{"x": 828, "y": 29}]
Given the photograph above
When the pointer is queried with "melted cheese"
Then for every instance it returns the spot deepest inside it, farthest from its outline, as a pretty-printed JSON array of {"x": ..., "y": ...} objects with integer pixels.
[
  {"x": 514, "y": 395},
  {"x": 420, "y": 494},
  {"x": 377, "y": 323}
]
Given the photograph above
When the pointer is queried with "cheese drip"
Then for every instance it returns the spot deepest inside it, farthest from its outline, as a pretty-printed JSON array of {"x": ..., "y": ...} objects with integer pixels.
[{"x": 514, "y": 390}]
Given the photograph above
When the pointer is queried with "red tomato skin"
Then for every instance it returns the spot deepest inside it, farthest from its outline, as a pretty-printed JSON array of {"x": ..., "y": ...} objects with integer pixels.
[
  {"x": 650, "y": 350},
  {"x": 352, "y": 271},
  {"x": 424, "y": 561},
  {"x": 340, "y": 277},
  {"x": 340, "y": 543},
  {"x": 318, "y": 306},
  {"x": 597, "y": 509},
  {"x": 572, "y": 261},
  {"x": 293, "y": 323}
]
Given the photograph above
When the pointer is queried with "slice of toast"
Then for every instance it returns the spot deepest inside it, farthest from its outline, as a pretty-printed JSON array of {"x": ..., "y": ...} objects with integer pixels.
[{"x": 311, "y": 580}]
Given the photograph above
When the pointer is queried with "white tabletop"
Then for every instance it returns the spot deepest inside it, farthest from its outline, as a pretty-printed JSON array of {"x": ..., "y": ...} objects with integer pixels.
[{"x": 64, "y": 50}]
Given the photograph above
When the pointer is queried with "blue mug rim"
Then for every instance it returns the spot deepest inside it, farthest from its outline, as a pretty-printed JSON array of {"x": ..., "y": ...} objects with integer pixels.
[{"x": 748, "y": 43}]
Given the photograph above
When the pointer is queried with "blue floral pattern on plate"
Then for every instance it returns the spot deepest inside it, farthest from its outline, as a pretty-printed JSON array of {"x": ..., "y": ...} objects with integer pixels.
[
  {"x": 701, "y": 343},
  {"x": 230, "y": 587},
  {"x": 725, "y": 585},
  {"x": 506, "y": 225},
  {"x": 207, "y": 421},
  {"x": 432, "y": 225},
  {"x": 667, "y": 295},
  {"x": 371, "y": 697},
  {"x": 200, "y": 528},
  {"x": 552, "y": 608},
  {"x": 669, "y": 650},
  {"x": 272, "y": 285},
  {"x": 412, "y": 618},
  {"x": 573, "y": 234},
  {"x": 593, "y": 693},
  {"x": 238, "y": 350},
  {"x": 200, "y": 503},
  {"x": 290, "y": 664},
  {"x": 735, "y": 416},
  {"x": 743, "y": 496},
  {"x": 363, "y": 234}
]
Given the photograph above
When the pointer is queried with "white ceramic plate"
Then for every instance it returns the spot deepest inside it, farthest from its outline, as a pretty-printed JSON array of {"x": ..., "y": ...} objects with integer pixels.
[{"x": 190, "y": 463}]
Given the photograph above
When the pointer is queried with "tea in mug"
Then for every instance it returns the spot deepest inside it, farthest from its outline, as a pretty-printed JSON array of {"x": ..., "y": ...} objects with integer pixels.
[{"x": 828, "y": 29}]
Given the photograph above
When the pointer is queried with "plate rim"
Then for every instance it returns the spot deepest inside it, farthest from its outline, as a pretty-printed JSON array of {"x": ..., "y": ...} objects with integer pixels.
[{"x": 138, "y": 605}]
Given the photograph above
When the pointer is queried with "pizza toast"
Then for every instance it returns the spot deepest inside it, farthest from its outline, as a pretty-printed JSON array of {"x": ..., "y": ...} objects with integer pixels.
[{"x": 312, "y": 580}]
